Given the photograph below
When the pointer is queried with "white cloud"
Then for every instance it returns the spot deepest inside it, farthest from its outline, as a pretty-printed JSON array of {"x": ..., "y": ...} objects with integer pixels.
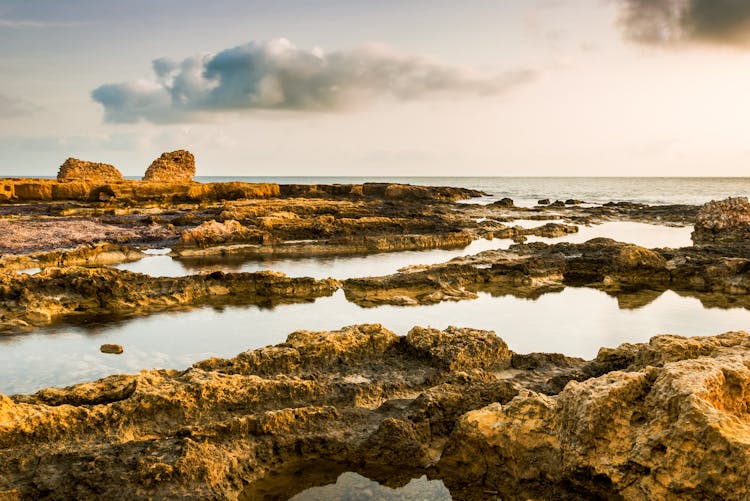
[{"x": 276, "y": 75}]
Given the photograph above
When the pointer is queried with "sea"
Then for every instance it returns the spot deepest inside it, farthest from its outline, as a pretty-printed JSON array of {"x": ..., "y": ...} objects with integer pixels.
[{"x": 526, "y": 191}]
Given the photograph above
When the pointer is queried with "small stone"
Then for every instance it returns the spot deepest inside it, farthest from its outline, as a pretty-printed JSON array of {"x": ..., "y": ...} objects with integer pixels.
[{"x": 114, "y": 349}]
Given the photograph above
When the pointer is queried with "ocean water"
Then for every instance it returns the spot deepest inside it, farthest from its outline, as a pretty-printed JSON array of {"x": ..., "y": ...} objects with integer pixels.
[{"x": 526, "y": 191}]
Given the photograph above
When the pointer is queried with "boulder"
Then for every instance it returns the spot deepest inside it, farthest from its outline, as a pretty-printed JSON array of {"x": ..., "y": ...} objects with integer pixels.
[
  {"x": 678, "y": 430},
  {"x": 723, "y": 222},
  {"x": 506, "y": 203},
  {"x": 172, "y": 167},
  {"x": 82, "y": 170}
]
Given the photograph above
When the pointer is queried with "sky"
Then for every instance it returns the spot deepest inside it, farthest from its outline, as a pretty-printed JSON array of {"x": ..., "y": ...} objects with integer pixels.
[{"x": 378, "y": 88}]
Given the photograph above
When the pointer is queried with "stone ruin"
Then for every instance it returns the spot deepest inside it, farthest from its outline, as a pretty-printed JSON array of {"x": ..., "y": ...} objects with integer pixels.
[
  {"x": 172, "y": 167},
  {"x": 723, "y": 222},
  {"x": 81, "y": 170}
]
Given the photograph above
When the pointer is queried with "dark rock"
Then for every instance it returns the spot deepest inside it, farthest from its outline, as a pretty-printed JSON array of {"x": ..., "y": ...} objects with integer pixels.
[
  {"x": 114, "y": 349},
  {"x": 504, "y": 202}
]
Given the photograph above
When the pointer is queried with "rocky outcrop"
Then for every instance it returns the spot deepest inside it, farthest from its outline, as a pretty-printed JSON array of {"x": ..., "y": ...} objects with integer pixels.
[
  {"x": 81, "y": 170},
  {"x": 724, "y": 222},
  {"x": 530, "y": 270},
  {"x": 172, "y": 167},
  {"x": 272, "y": 247},
  {"x": 674, "y": 424},
  {"x": 358, "y": 396},
  {"x": 74, "y": 294},
  {"x": 662, "y": 420},
  {"x": 215, "y": 233},
  {"x": 85, "y": 255},
  {"x": 519, "y": 234}
]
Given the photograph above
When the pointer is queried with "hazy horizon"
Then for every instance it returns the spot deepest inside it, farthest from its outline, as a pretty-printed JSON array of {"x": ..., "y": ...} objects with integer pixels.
[{"x": 538, "y": 88}]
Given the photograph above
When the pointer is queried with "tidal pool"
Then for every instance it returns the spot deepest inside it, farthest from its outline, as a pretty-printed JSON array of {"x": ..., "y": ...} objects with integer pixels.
[
  {"x": 351, "y": 486},
  {"x": 575, "y": 321},
  {"x": 343, "y": 267}
]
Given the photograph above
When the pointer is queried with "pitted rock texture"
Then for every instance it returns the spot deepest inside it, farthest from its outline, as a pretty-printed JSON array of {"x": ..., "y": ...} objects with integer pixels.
[
  {"x": 215, "y": 233},
  {"x": 723, "y": 222},
  {"x": 673, "y": 424},
  {"x": 669, "y": 419},
  {"x": 77, "y": 293},
  {"x": 172, "y": 167},
  {"x": 359, "y": 395},
  {"x": 82, "y": 170}
]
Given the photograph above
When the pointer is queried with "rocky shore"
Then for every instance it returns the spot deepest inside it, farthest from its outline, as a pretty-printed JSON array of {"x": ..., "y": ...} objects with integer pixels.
[
  {"x": 668, "y": 419},
  {"x": 662, "y": 420}
]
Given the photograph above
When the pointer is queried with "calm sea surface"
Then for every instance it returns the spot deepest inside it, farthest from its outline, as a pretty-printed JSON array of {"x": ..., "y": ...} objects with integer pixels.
[{"x": 527, "y": 190}]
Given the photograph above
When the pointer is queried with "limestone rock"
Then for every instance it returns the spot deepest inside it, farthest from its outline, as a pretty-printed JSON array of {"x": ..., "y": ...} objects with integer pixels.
[
  {"x": 456, "y": 347},
  {"x": 680, "y": 430},
  {"x": 723, "y": 222},
  {"x": 82, "y": 170},
  {"x": 172, "y": 167},
  {"x": 215, "y": 233}
]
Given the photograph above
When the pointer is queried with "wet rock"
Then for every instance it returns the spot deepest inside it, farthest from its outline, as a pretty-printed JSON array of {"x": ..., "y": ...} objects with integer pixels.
[
  {"x": 114, "y": 349},
  {"x": 172, "y": 167},
  {"x": 557, "y": 204},
  {"x": 723, "y": 222},
  {"x": 82, "y": 170},
  {"x": 75, "y": 293},
  {"x": 544, "y": 201},
  {"x": 573, "y": 201},
  {"x": 504, "y": 203}
]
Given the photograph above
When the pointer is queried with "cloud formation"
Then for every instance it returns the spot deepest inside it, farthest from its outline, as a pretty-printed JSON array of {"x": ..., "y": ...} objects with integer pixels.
[
  {"x": 31, "y": 23},
  {"x": 11, "y": 107},
  {"x": 276, "y": 75},
  {"x": 672, "y": 22}
]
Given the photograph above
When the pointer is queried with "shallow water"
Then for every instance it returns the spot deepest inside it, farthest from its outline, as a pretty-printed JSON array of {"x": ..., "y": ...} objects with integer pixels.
[
  {"x": 344, "y": 267},
  {"x": 576, "y": 321},
  {"x": 645, "y": 235},
  {"x": 341, "y": 267}
]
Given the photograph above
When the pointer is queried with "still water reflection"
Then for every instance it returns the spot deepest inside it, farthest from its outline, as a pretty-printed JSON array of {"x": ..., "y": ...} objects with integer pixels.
[
  {"x": 343, "y": 267},
  {"x": 575, "y": 321},
  {"x": 351, "y": 486}
]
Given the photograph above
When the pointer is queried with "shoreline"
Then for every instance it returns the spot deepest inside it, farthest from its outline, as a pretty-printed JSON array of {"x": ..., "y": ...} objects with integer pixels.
[{"x": 428, "y": 403}]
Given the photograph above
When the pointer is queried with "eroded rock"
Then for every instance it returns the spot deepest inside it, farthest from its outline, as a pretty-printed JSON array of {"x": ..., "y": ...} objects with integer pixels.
[
  {"x": 172, "y": 167},
  {"x": 82, "y": 170},
  {"x": 76, "y": 293},
  {"x": 723, "y": 222},
  {"x": 679, "y": 430}
]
